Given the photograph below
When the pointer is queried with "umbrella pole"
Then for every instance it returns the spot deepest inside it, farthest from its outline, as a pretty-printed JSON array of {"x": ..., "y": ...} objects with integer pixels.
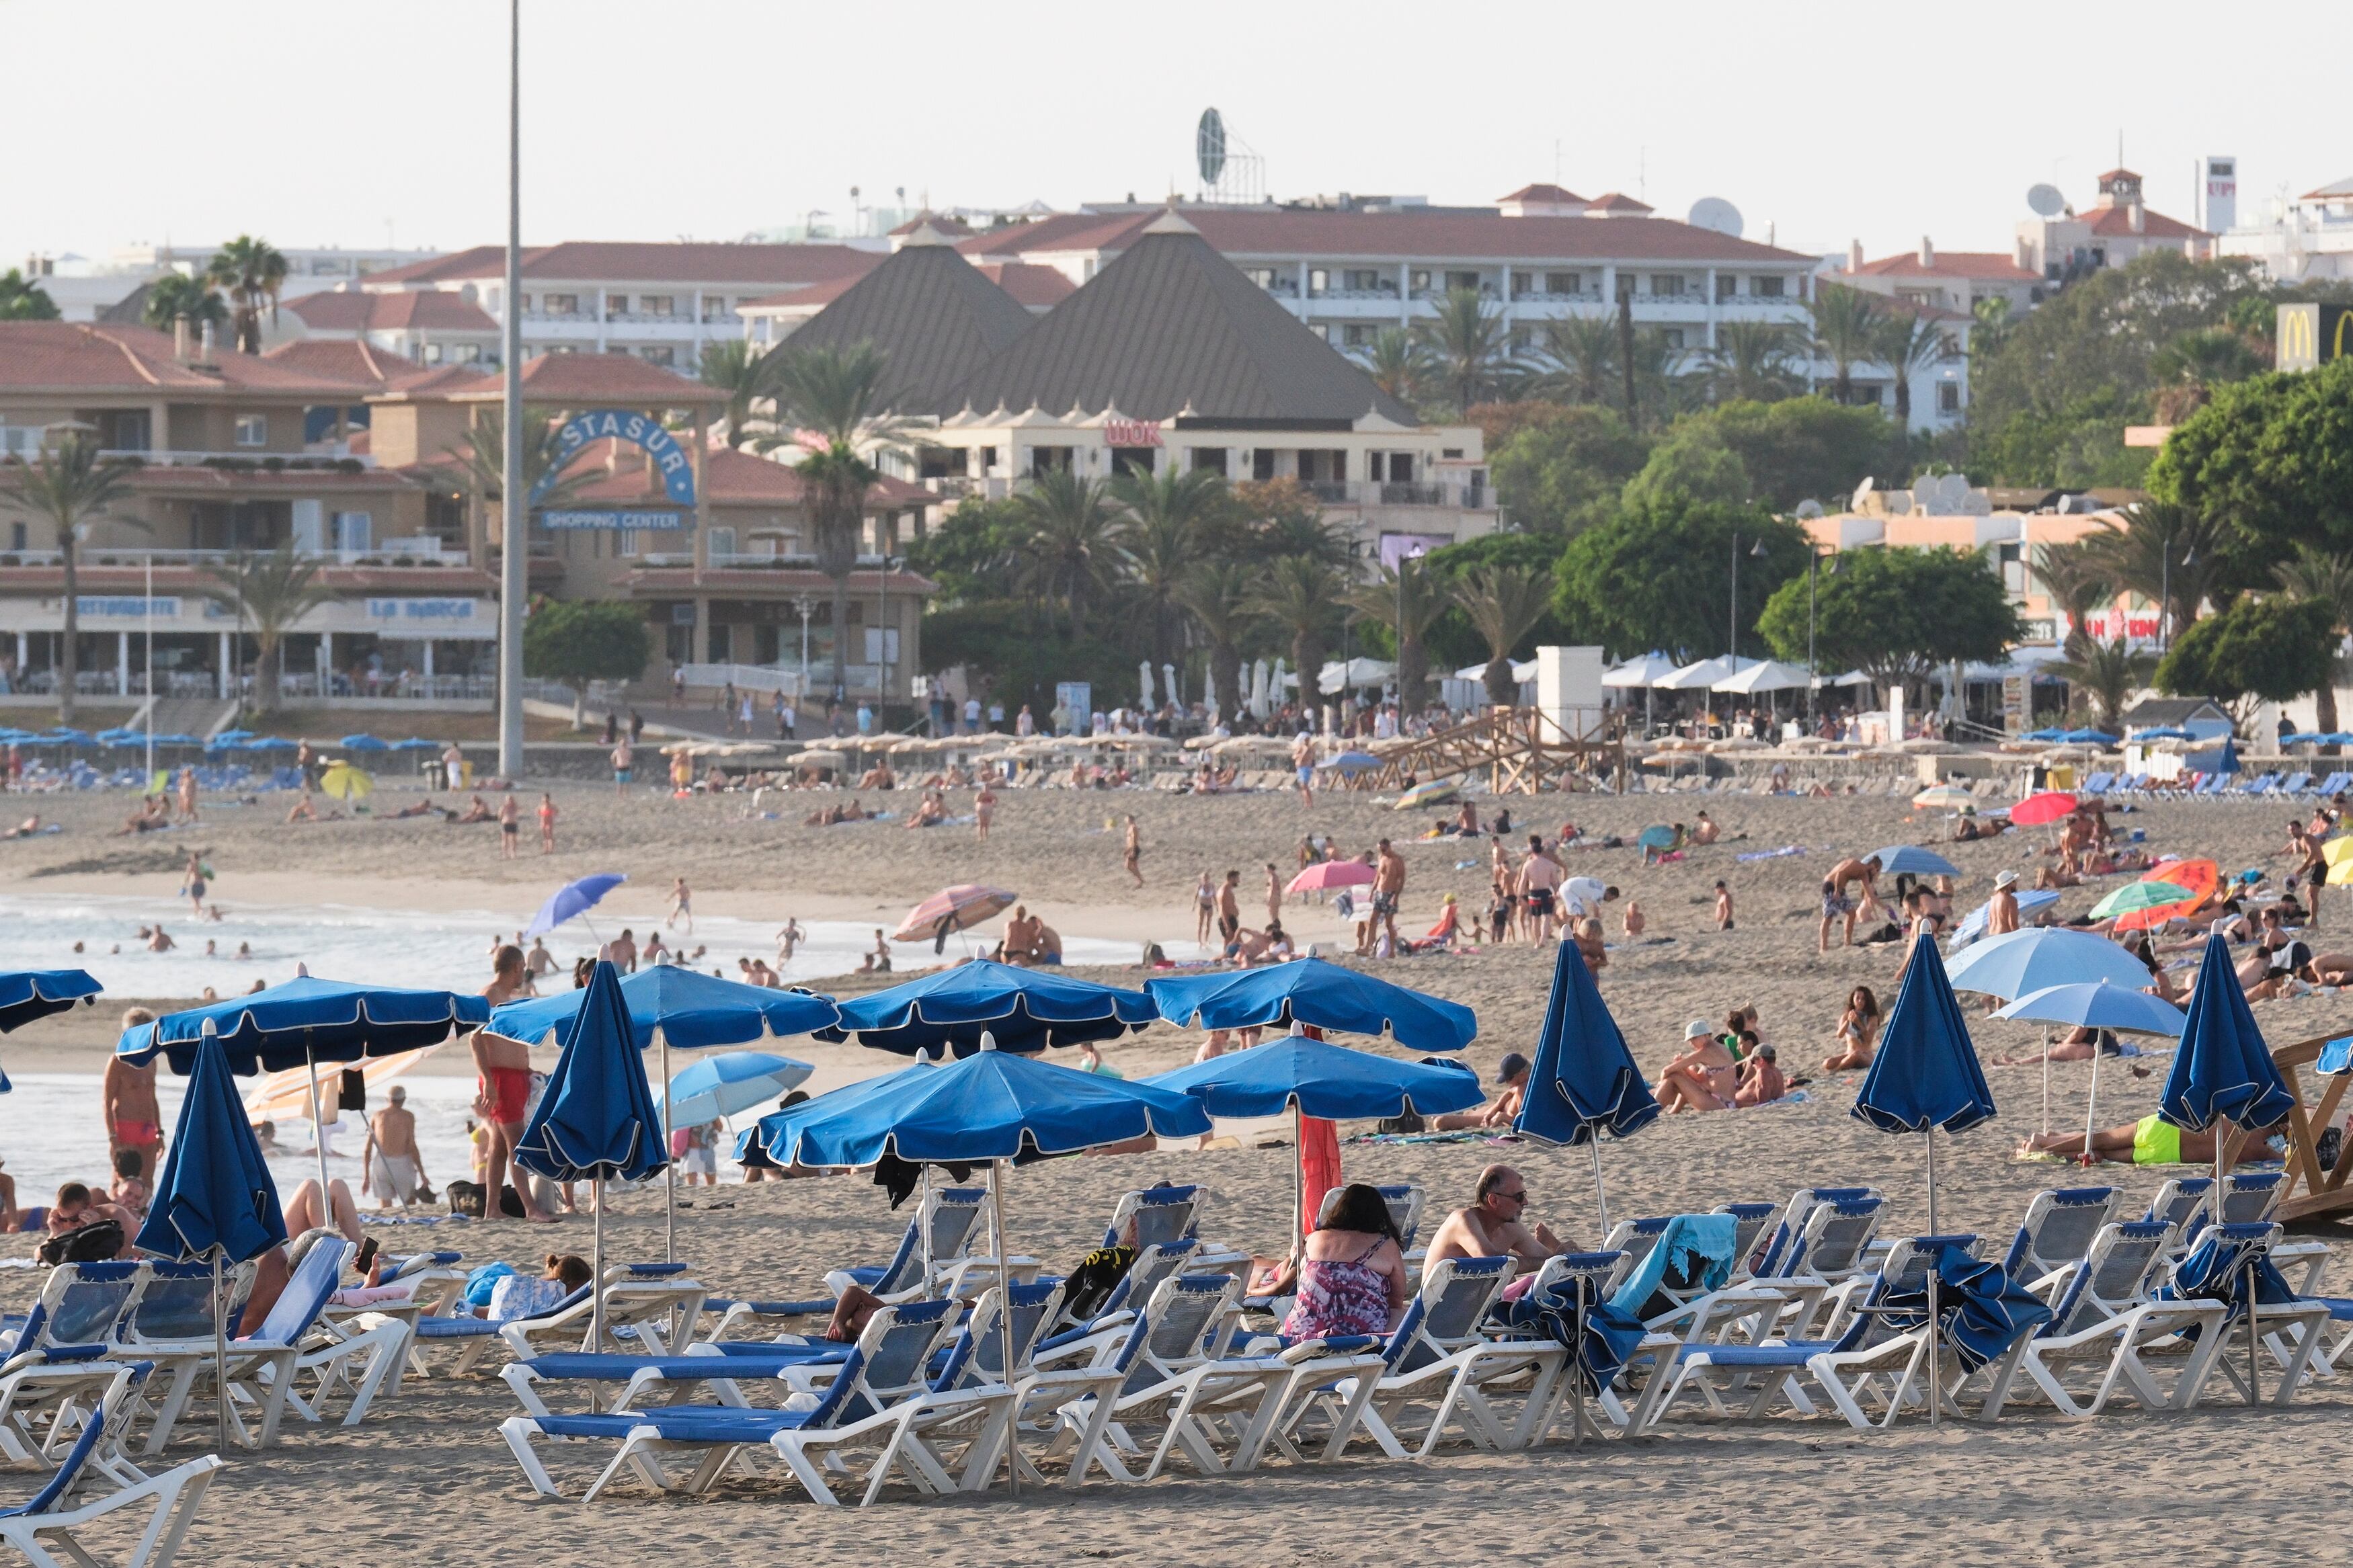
[
  {"x": 1600, "y": 1196},
  {"x": 220, "y": 1361},
  {"x": 2221, "y": 1156},
  {"x": 2046, "y": 1083},
  {"x": 2091, "y": 1101},
  {"x": 670, "y": 1166},
  {"x": 318, "y": 1132},
  {"x": 1004, "y": 1322},
  {"x": 1936, "y": 1330},
  {"x": 1298, "y": 1182},
  {"x": 924, "y": 1222},
  {"x": 596, "y": 1284}
]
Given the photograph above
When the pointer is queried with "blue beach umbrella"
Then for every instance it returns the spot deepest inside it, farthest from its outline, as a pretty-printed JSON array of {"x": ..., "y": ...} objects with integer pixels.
[
  {"x": 1973, "y": 924},
  {"x": 302, "y": 1022},
  {"x": 1317, "y": 992},
  {"x": 722, "y": 1084},
  {"x": 2101, "y": 1005},
  {"x": 2016, "y": 963},
  {"x": 1925, "y": 1076},
  {"x": 1584, "y": 1080},
  {"x": 572, "y": 899},
  {"x": 416, "y": 743},
  {"x": 775, "y": 1132},
  {"x": 1911, "y": 861},
  {"x": 214, "y": 1196},
  {"x": 35, "y": 994},
  {"x": 597, "y": 1117},
  {"x": 273, "y": 744},
  {"x": 364, "y": 744},
  {"x": 1020, "y": 1009},
  {"x": 1350, "y": 763}
]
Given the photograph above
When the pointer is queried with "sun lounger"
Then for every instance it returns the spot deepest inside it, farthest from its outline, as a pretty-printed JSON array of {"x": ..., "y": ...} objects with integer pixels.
[
  {"x": 264, "y": 1365},
  {"x": 1800, "y": 1208},
  {"x": 59, "y": 1365},
  {"x": 957, "y": 1218},
  {"x": 2057, "y": 1234},
  {"x": 50, "y": 1522},
  {"x": 1755, "y": 1223},
  {"x": 639, "y": 1302},
  {"x": 2104, "y": 1319},
  {"x": 2227, "y": 1259}
]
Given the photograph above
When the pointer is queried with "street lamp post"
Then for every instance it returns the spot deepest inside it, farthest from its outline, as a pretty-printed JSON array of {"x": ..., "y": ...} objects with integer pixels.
[
  {"x": 1813, "y": 672},
  {"x": 514, "y": 563},
  {"x": 806, "y": 606}
]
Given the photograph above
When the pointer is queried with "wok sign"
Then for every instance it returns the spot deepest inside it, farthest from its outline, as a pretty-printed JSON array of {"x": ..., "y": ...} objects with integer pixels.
[{"x": 643, "y": 431}]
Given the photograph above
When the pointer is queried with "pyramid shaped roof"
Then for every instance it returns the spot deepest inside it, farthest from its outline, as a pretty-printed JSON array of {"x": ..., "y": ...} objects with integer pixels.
[{"x": 935, "y": 315}]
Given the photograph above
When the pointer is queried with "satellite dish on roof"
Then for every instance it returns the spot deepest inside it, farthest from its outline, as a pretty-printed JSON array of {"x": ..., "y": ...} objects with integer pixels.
[
  {"x": 1716, "y": 212},
  {"x": 2048, "y": 201},
  {"x": 1209, "y": 146},
  {"x": 1854, "y": 502}
]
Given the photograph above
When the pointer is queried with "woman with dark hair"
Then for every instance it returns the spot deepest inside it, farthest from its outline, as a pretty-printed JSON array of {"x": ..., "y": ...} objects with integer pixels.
[
  {"x": 1352, "y": 1279},
  {"x": 1858, "y": 1033}
]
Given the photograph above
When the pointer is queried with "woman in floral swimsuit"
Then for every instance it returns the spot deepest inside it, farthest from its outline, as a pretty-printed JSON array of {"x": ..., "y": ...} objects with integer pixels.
[{"x": 1353, "y": 1279}]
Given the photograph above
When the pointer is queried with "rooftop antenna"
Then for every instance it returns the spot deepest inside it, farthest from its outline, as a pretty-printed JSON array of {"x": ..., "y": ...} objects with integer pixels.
[
  {"x": 1642, "y": 175},
  {"x": 1555, "y": 160}
]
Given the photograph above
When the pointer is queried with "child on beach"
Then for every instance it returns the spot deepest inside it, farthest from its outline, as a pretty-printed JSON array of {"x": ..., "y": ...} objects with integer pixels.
[
  {"x": 1723, "y": 907},
  {"x": 546, "y": 824}
]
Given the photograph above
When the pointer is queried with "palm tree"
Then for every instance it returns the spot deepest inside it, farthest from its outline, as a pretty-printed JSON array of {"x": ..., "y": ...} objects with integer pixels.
[
  {"x": 2318, "y": 574},
  {"x": 69, "y": 486},
  {"x": 1909, "y": 343},
  {"x": 1399, "y": 364},
  {"x": 1409, "y": 601},
  {"x": 1581, "y": 356},
  {"x": 1504, "y": 603},
  {"x": 252, "y": 273},
  {"x": 1217, "y": 596},
  {"x": 1074, "y": 535},
  {"x": 2079, "y": 583},
  {"x": 746, "y": 375},
  {"x": 2165, "y": 551},
  {"x": 1303, "y": 596},
  {"x": 1165, "y": 516},
  {"x": 2188, "y": 369},
  {"x": 1466, "y": 343},
  {"x": 1750, "y": 361},
  {"x": 1657, "y": 362},
  {"x": 839, "y": 395},
  {"x": 174, "y": 298},
  {"x": 481, "y": 461},
  {"x": 2111, "y": 671},
  {"x": 1845, "y": 331},
  {"x": 273, "y": 590},
  {"x": 24, "y": 300},
  {"x": 1993, "y": 326}
]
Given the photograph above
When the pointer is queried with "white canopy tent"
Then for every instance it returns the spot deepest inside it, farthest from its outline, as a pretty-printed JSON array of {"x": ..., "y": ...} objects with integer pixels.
[
  {"x": 1705, "y": 675},
  {"x": 1357, "y": 672},
  {"x": 1767, "y": 675},
  {"x": 1645, "y": 672}
]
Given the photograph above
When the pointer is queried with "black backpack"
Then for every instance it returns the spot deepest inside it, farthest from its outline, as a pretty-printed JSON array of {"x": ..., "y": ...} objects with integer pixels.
[{"x": 94, "y": 1243}]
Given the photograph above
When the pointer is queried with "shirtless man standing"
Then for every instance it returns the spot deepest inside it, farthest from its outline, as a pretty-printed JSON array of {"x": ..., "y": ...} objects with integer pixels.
[
  {"x": 1229, "y": 907},
  {"x": 1835, "y": 901},
  {"x": 1536, "y": 884},
  {"x": 1302, "y": 767},
  {"x": 1388, "y": 887},
  {"x": 133, "y": 1121},
  {"x": 1274, "y": 895},
  {"x": 395, "y": 1166},
  {"x": 1495, "y": 1223}
]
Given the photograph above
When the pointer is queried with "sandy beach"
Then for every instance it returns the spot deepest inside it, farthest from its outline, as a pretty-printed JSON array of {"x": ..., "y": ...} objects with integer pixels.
[{"x": 426, "y": 1480}]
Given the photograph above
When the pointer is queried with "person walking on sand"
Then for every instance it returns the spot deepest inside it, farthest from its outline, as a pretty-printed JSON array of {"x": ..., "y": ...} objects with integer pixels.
[
  {"x": 392, "y": 1164},
  {"x": 1723, "y": 906},
  {"x": 983, "y": 807},
  {"x": 503, "y": 1089},
  {"x": 1274, "y": 895},
  {"x": 789, "y": 938},
  {"x": 192, "y": 882},
  {"x": 1131, "y": 851},
  {"x": 624, "y": 756},
  {"x": 1388, "y": 887},
  {"x": 1302, "y": 767},
  {"x": 546, "y": 823},
  {"x": 510, "y": 826},
  {"x": 1229, "y": 907},
  {"x": 682, "y": 905},
  {"x": 187, "y": 782},
  {"x": 1538, "y": 884},
  {"x": 1205, "y": 909}
]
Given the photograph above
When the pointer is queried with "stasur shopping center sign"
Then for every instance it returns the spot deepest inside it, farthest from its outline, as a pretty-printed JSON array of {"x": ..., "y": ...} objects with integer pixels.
[{"x": 670, "y": 461}]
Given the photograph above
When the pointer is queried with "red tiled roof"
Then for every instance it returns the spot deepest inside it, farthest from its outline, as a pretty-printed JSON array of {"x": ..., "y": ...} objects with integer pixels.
[
  {"x": 2117, "y": 223},
  {"x": 1038, "y": 287},
  {"x": 1618, "y": 202},
  {"x": 355, "y": 360},
  {"x": 77, "y": 356},
  {"x": 642, "y": 262},
  {"x": 811, "y": 296},
  {"x": 1985, "y": 266},
  {"x": 1898, "y": 305},
  {"x": 2118, "y": 173},
  {"x": 1255, "y": 231},
  {"x": 951, "y": 227},
  {"x": 434, "y": 310},
  {"x": 577, "y": 381},
  {"x": 732, "y": 478},
  {"x": 1541, "y": 193}
]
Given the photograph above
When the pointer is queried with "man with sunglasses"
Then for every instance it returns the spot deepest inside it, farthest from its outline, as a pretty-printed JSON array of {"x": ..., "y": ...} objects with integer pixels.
[{"x": 1495, "y": 1223}]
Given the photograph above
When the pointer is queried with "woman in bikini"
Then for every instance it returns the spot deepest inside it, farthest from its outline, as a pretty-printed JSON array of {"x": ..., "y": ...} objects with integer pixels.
[
  {"x": 1858, "y": 1033},
  {"x": 1701, "y": 1076}
]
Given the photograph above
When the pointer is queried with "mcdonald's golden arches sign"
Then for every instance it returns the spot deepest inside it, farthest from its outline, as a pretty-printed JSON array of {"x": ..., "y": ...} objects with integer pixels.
[{"x": 2312, "y": 335}]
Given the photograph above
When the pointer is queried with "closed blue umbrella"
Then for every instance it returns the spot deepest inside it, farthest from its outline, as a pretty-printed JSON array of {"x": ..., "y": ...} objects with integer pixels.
[
  {"x": 572, "y": 899},
  {"x": 1584, "y": 1080},
  {"x": 1910, "y": 859},
  {"x": 1317, "y": 992},
  {"x": 722, "y": 1084},
  {"x": 214, "y": 1196},
  {"x": 597, "y": 1116},
  {"x": 1925, "y": 1076},
  {"x": 302, "y": 1022},
  {"x": 2015, "y": 963},
  {"x": 1020, "y": 1009}
]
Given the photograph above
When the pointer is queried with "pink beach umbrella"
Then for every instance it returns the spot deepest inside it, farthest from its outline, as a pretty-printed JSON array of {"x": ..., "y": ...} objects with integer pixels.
[
  {"x": 1332, "y": 874},
  {"x": 966, "y": 904},
  {"x": 2037, "y": 809}
]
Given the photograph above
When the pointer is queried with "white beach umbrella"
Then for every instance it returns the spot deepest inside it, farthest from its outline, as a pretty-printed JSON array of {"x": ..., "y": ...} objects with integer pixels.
[
  {"x": 1702, "y": 676},
  {"x": 1645, "y": 672},
  {"x": 1767, "y": 675}
]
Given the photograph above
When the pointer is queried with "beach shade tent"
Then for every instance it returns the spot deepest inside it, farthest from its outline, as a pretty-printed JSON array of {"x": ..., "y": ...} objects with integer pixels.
[
  {"x": 1315, "y": 1078},
  {"x": 1911, "y": 861},
  {"x": 1322, "y": 995},
  {"x": 952, "y": 909},
  {"x": 2101, "y": 1004},
  {"x": 2087, "y": 738},
  {"x": 223, "y": 740},
  {"x": 345, "y": 781},
  {"x": 1944, "y": 798},
  {"x": 1702, "y": 676},
  {"x": 2165, "y": 733},
  {"x": 990, "y": 1107},
  {"x": 1023, "y": 1010},
  {"x": 215, "y": 1197},
  {"x": 177, "y": 739},
  {"x": 2223, "y": 1074},
  {"x": 669, "y": 1005},
  {"x": 572, "y": 899},
  {"x": 63, "y": 736},
  {"x": 1584, "y": 1081},
  {"x": 1765, "y": 675},
  {"x": 2051, "y": 732},
  {"x": 2016, "y": 963},
  {"x": 2037, "y": 809},
  {"x": 1645, "y": 672},
  {"x": 30, "y": 994},
  {"x": 1925, "y": 1076},
  {"x": 302, "y": 1022},
  {"x": 365, "y": 744},
  {"x": 722, "y": 1084},
  {"x": 1325, "y": 875},
  {"x": 273, "y": 744},
  {"x": 596, "y": 1118}
]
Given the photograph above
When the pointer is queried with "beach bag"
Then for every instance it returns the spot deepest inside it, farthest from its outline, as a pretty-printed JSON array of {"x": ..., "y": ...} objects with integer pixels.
[
  {"x": 94, "y": 1243},
  {"x": 352, "y": 1094},
  {"x": 681, "y": 1138},
  {"x": 483, "y": 1282}
]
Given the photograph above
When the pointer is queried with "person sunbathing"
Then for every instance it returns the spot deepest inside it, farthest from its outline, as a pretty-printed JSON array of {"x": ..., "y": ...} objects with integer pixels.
[
  {"x": 424, "y": 807},
  {"x": 930, "y": 813},
  {"x": 479, "y": 811},
  {"x": 1444, "y": 934},
  {"x": 1700, "y": 1077},
  {"x": 2150, "y": 1141},
  {"x": 24, "y": 829},
  {"x": 1512, "y": 1072}
]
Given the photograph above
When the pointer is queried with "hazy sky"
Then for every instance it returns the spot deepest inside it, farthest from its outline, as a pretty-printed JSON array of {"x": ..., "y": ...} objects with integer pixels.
[{"x": 341, "y": 124}]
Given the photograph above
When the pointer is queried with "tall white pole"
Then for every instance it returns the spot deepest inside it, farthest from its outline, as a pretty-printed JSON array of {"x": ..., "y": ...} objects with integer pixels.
[
  {"x": 147, "y": 619},
  {"x": 318, "y": 1132},
  {"x": 1005, "y": 1320},
  {"x": 515, "y": 562},
  {"x": 669, "y": 1165}
]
